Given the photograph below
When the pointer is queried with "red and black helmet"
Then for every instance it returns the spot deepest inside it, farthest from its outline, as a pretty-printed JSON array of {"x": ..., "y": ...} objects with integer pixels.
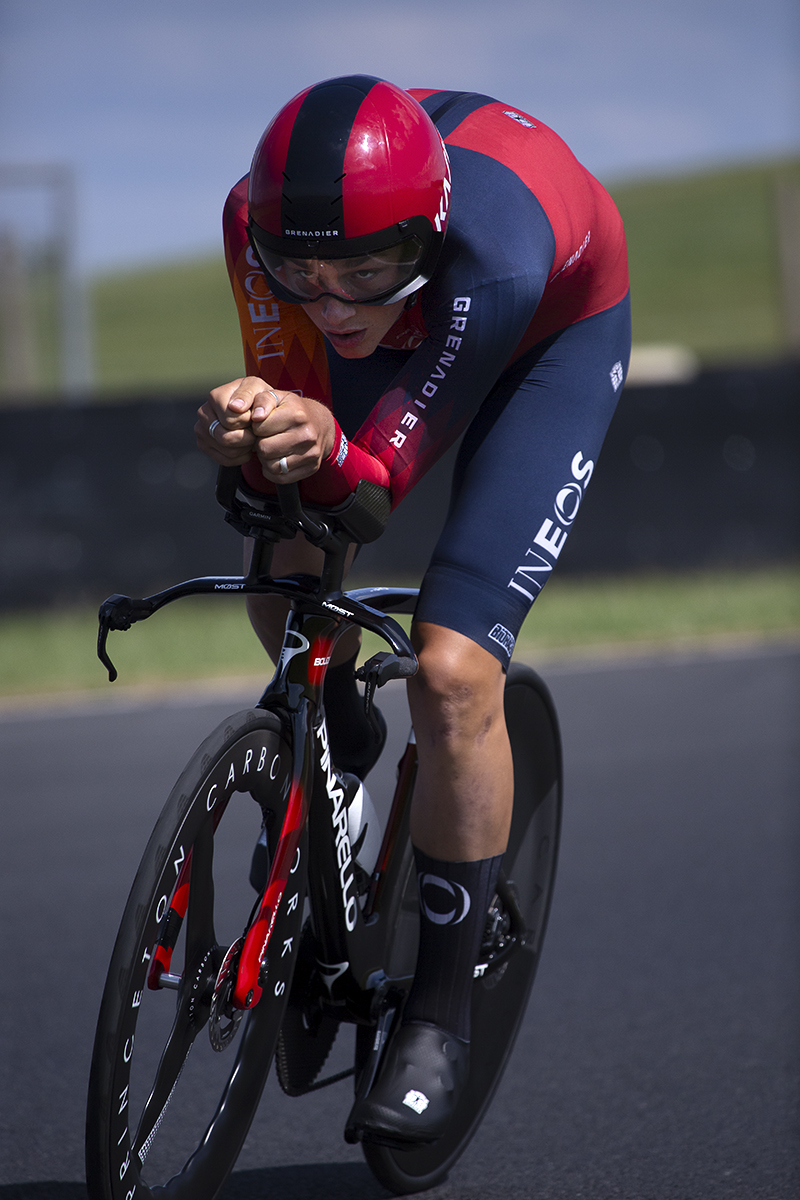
[{"x": 350, "y": 169}]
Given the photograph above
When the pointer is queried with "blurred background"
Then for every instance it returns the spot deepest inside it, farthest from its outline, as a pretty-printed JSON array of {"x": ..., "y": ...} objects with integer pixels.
[
  {"x": 663, "y": 1030},
  {"x": 122, "y": 129}
]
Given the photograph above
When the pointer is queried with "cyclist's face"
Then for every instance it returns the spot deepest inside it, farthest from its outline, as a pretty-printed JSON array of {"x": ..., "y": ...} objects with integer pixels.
[
  {"x": 361, "y": 277},
  {"x": 354, "y": 330}
]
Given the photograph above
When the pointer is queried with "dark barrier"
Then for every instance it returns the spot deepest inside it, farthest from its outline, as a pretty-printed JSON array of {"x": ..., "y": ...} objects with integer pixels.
[{"x": 103, "y": 498}]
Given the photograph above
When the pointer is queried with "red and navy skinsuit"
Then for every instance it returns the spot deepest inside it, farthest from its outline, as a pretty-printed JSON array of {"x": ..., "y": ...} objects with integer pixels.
[{"x": 523, "y": 335}]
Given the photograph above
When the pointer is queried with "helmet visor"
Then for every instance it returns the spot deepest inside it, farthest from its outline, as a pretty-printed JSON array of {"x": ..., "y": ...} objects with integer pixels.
[{"x": 372, "y": 278}]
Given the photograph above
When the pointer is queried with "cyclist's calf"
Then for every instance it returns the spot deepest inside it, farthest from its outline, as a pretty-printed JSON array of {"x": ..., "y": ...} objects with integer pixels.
[{"x": 462, "y": 804}]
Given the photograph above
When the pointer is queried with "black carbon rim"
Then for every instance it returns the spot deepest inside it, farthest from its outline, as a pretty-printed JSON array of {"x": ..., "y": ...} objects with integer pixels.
[{"x": 184, "y": 1142}]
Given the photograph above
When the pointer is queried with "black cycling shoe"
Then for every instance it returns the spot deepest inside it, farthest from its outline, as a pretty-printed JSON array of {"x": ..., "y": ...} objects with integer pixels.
[
  {"x": 419, "y": 1085},
  {"x": 361, "y": 761}
]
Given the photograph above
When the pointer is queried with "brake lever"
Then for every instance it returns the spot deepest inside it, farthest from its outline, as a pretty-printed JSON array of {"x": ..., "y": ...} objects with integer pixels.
[
  {"x": 377, "y": 671},
  {"x": 118, "y": 612}
]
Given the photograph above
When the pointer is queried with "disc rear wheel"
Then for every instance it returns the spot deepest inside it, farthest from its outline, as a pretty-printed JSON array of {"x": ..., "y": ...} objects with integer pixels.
[{"x": 514, "y": 935}]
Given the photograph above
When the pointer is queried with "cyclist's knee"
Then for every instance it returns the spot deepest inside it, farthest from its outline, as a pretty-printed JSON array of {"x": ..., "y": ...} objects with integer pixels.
[{"x": 458, "y": 689}]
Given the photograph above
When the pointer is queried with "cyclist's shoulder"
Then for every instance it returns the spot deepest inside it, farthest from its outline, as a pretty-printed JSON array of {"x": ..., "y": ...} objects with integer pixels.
[
  {"x": 499, "y": 131},
  {"x": 234, "y": 213},
  {"x": 523, "y": 205},
  {"x": 500, "y": 153}
]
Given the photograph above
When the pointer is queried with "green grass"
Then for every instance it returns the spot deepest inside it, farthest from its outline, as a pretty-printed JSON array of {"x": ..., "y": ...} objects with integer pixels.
[
  {"x": 704, "y": 265},
  {"x": 194, "y": 639},
  {"x": 704, "y": 274},
  {"x": 40, "y": 305},
  {"x": 208, "y": 638},
  {"x": 663, "y": 608},
  {"x": 171, "y": 326},
  {"x": 704, "y": 261}
]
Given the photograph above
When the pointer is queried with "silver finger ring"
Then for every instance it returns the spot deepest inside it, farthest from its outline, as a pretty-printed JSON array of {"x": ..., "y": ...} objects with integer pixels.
[
  {"x": 212, "y": 427},
  {"x": 284, "y": 466}
]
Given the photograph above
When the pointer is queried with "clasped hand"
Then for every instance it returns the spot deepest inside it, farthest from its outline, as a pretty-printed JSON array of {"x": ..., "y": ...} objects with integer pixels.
[{"x": 291, "y": 435}]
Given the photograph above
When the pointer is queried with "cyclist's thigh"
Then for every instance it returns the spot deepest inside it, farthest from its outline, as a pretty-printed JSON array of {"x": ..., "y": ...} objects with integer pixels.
[{"x": 521, "y": 474}]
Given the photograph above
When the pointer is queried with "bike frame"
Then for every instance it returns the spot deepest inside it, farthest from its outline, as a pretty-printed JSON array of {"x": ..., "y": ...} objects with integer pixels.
[
  {"x": 356, "y": 960},
  {"x": 354, "y": 941}
]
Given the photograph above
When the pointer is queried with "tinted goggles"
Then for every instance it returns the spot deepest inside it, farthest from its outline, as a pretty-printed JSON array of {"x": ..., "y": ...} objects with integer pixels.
[{"x": 373, "y": 278}]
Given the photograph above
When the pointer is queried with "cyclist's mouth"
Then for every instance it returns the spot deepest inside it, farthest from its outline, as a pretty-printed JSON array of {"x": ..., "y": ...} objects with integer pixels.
[{"x": 345, "y": 338}]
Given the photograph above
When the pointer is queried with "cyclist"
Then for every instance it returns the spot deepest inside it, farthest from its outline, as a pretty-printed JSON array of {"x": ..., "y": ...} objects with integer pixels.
[{"x": 408, "y": 266}]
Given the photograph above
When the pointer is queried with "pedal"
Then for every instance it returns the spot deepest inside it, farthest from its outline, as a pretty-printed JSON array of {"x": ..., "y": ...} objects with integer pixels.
[{"x": 383, "y": 1028}]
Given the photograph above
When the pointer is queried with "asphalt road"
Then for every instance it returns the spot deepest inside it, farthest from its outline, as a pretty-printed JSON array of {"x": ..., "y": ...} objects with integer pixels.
[{"x": 660, "y": 1054}]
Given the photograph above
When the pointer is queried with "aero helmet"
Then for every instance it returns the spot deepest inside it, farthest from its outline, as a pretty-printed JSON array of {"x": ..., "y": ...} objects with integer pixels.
[{"x": 349, "y": 194}]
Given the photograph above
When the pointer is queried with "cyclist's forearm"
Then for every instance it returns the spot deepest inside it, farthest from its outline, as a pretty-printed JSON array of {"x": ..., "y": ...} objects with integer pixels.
[{"x": 346, "y": 465}]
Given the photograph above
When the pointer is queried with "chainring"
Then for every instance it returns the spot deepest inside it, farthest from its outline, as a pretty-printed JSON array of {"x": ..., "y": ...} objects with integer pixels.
[
  {"x": 307, "y": 1032},
  {"x": 224, "y": 1019}
]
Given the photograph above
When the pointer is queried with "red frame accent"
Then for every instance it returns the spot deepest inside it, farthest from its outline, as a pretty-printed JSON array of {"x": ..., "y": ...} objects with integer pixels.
[
  {"x": 162, "y": 954},
  {"x": 248, "y": 990}
]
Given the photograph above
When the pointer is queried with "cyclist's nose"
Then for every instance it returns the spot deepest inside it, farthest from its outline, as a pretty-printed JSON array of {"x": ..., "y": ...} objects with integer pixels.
[{"x": 336, "y": 310}]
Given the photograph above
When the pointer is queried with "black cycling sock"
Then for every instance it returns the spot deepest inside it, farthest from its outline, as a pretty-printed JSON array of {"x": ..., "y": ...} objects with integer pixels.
[
  {"x": 354, "y": 746},
  {"x": 454, "y": 901}
]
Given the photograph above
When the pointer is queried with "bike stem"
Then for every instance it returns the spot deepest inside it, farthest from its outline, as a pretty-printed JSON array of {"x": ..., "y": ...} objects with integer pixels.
[{"x": 307, "y": 591}]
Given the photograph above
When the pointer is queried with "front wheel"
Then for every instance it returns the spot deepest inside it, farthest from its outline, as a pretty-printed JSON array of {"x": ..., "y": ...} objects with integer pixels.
[
  {"x": 162, "y": 1121},
  {"x": 514, "y": 935}
]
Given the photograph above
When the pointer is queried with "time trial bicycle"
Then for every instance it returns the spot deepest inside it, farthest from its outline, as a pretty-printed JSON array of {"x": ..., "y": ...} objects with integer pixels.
[{"x": 331, "y": 937}]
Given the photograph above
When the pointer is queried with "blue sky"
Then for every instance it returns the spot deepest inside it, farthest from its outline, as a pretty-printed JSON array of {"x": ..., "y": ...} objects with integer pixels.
[{"x": 158, "y": 105}]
